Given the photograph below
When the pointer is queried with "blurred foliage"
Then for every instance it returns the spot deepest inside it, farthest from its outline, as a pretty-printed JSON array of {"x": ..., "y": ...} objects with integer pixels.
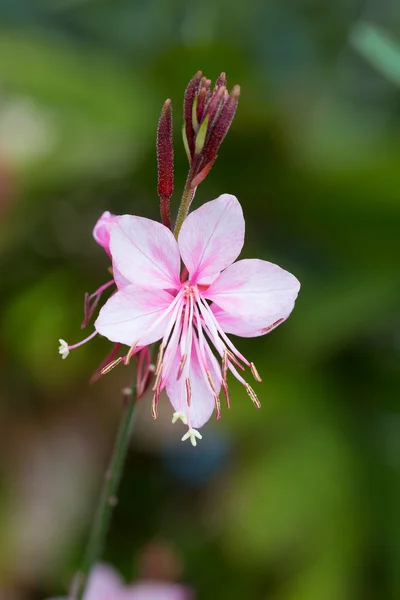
[{"x": 298, "y": 501}]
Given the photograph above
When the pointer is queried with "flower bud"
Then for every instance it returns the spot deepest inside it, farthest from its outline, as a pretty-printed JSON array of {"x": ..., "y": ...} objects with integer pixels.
[
  {"x": 207, "y": 116},
  {"x": 165, "y": 162}
]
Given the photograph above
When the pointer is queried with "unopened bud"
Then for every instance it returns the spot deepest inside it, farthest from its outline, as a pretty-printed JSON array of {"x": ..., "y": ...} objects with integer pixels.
[
  {"x": 222, "y": 124},
  {"x": 221, "y": 80},
  {"x": 190, "y": 95},
  {"x": 165, "y": 162},
  {"x": 215, "y": 104}
]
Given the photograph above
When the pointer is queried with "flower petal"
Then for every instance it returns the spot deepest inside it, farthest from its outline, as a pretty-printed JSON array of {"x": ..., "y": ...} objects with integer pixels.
[
  {"x": 156, "y": 591},
  {"x": 104, "y": 583},
  {"x": 101, "y": 231},
  {"x": 247, "y": 327},
  {"x": 134, "y": 314},
  {"x": 251, "y": 296},
  {"x": 145, "y": 252},
  {"x": 211, "y": 238},
  {"x": 202, "y": 399}
]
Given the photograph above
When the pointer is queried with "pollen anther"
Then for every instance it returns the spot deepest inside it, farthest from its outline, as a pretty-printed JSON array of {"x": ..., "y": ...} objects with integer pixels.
[{"x": 111, "y": 365}]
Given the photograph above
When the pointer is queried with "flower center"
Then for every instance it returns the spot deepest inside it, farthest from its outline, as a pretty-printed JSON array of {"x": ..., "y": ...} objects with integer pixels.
[{"x": 191, "y": 333}]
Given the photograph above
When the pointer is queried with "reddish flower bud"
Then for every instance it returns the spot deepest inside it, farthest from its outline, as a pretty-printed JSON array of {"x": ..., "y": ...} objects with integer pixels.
[
  {"x": 221, "y": 80},
  {"x": 222, "y": 125},
  {"x": 201, "y": 102},
  {"x": 190, "y": 95},
  {"x": 214, "y": 105},
  {"x": 165, "y": 162},
  {"x": 207, "y": 117}
]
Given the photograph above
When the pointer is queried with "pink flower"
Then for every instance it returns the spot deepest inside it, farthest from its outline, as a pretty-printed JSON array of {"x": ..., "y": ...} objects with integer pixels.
[
  {"x": 192, "y": 313},
  {"x": 106, "y": 584}
]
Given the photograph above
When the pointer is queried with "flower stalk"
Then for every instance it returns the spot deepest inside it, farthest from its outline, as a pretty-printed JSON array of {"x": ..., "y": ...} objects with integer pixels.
[{"x": 108, "y": 496}]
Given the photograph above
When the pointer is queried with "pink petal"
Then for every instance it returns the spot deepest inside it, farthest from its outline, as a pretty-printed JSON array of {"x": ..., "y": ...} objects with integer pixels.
[
  {"x": 134, "y": 314},
  {"x": 101, "y": 231},
  {"x": 104, "y": 584},
  {"x": 145, "y": 253},
  {"x": 202, "y": 399},
  {"x": 247, "y": 327},
  {"x": 211, "y": 238},
  {"x": 252, "y": 295},
  {"x": 156, "y": 591}
]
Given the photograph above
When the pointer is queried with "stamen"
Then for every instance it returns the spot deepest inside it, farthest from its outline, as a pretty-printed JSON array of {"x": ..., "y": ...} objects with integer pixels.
[
  {"x": 266, "y": 329},
  {"x": 181, "y": 366},
  {"x": 210, "y": 379},
  {"x": 188, "y": 392},
  {"x": 157, "y": 381},
  {"x": 226, "y": 393},
  {"x": 217, "y": 407},
  {"x": 254, "y": 372},
  {"x": 225, "y": 365},
  {"x": 130, "y": 352},
  {"x": 97, "y": 374},
  {"x": 111, "y": 365},
  {"x": 159, "y": 358},
  {"x": 154, "y": 403},
  {"x": 253, "y": 395},
  {"x": 234, "y": 359}
]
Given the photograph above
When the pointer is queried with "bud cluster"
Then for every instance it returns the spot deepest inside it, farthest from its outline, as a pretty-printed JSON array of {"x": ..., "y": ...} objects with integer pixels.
[{"x": 208, "y": 115}]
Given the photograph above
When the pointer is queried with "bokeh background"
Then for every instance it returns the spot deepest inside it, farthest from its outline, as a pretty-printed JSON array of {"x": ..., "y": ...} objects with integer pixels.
[{"x": 297, "y": 501}]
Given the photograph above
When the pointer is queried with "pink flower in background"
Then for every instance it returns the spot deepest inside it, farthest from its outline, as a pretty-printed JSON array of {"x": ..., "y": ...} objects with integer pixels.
[
  {"x": 193, "y": 312},
  {"x": 106, "y": 584}
]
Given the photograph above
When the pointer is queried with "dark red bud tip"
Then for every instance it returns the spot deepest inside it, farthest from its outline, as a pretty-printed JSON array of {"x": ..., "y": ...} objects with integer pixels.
[
  {"x": 190, "y": 94},
  {"x": 221, "y": 80},
  {"x": 222, "y": 124},
  {"x": 165, "y": 161}
]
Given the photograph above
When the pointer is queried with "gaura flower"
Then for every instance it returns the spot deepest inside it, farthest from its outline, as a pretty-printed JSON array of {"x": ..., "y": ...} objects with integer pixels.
[
  {"x": 106, "y": 584},
  {"x": 192, "y": 312}
]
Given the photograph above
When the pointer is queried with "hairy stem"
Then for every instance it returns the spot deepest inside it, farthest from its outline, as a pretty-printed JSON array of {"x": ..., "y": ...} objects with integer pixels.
[
  {"x": 188, "y": 195},
  {"x": 108, "y": 499}
]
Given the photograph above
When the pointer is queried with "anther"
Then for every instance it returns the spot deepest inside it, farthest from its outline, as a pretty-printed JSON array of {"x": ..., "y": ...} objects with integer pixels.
[
  {"x": 226, "y": 393},
  {"x": 159, "y": 358},
  {"x": 111, "y": 365},
  {"x": 255, "y": 373},
  {"x": 253, "y": 396},
  {"x": 188, "y": 391},
  {"x": 210, "y": 379},
  {"x": 180, "y": 370},
  {"x": 130, "y": 352},
  {"x": 217, "y": 407},
  {"x": 266, "y": 329},
  {"x": 154, "y": 406}
]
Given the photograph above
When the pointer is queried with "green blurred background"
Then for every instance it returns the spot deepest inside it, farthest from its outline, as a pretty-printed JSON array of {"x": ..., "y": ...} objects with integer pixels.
[{"x": 297, "y": 501}]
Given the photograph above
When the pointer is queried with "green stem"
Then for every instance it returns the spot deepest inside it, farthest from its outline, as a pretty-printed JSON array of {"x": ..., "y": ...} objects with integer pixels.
[
  {"x": 108, "y": 499},
  {"x": 187, "y": 196}
]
